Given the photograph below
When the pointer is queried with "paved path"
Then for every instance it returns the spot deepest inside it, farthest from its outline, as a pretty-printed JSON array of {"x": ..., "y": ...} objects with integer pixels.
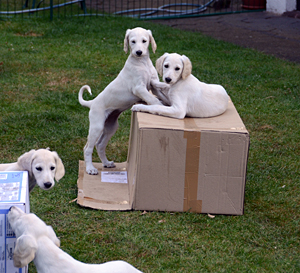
[{"x": 269, "y": 33}]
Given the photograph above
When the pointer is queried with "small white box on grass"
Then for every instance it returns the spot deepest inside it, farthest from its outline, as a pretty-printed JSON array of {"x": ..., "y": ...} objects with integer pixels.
[{"x": 13, "y": 192}]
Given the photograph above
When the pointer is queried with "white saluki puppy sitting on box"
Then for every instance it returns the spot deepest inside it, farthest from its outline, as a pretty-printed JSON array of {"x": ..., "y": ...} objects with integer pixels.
[
  {"x": 133, "y": 83},
  {"x": 42, "y": 166},
  {"x": 37, "y": 242},
  {"x": 188, "y": 96}
]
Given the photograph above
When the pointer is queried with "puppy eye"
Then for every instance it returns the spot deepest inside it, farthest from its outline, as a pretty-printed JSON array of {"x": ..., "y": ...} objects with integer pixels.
[
  {"x": 52, "y": 168},
  {"x": 133, "y": 41},
  {"x": 166, "y": 66},
  {"x": 144, "y": 41},
  {"x": 177, "y": 68},
  {"x": 39, "y": 169}
]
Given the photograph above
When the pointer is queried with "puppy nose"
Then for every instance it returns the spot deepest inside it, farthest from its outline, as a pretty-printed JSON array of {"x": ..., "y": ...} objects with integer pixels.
[
  {"x": 168, "y": 80},
  {"x": 139, "y": 52},
  {"x": 48, "y": 185}
]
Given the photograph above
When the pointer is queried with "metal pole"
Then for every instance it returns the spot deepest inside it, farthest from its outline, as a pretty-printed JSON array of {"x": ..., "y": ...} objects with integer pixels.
[{"x": 51, "y": 10}]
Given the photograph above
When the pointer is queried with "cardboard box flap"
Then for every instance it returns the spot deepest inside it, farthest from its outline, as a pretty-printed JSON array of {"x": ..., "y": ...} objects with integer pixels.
[
  {"x": 229, "y": 121},
  {"x": 97, "y": 194}
]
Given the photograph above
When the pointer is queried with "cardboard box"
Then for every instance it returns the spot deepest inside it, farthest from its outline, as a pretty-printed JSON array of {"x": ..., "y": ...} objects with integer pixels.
[
  {"x": 195, "y": 164},
  {"x": 13, "y": 192}
]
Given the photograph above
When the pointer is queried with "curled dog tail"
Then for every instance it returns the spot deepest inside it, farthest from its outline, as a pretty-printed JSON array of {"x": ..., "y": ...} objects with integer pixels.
[{"x": 81, "y": 100}]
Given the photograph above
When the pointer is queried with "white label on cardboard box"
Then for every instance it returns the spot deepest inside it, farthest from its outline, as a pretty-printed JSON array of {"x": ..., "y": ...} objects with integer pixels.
[
  {"x": 10, "y": 191},
  {"x": 114, "y": 177},
  {"x": 10, "y": 186},
  {"x": 3, "y": 176}
]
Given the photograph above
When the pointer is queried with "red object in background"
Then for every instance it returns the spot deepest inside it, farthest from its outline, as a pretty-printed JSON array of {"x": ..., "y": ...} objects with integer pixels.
[{"x": 254, "y": 4}]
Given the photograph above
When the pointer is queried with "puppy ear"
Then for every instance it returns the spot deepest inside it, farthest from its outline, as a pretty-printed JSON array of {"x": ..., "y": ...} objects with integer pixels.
[
  {"x": 52, "y": 236},
  {"x": 25, "y": 161},
  {"x": 60, "y": 169},
  {"x": 126, "y": 40},
  {"x": 152, "y": 41},
  {"x": 187, "y": 67},
  {"x": 24, "y": 252},
  {"x": 159, "y": 63}
]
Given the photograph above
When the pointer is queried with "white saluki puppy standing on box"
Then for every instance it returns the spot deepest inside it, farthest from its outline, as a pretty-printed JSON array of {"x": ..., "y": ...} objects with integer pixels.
[
  {"x": 37, "y": 242},
  {"x": 133, "y": 83},
  {"x": 42, "y": 166},
  {"x": 188, "y": 96}
]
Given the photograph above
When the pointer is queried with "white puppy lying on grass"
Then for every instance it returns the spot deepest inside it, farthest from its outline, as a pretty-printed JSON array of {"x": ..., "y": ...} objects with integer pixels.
[
  {"x": 42, "y": 166},
  {"x": 38, "y": 242},
  {"x": 188, "y": 96}
]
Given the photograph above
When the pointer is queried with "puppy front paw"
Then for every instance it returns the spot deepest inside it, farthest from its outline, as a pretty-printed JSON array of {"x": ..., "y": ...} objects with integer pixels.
[
  {"x": 165, "y": 87},
  {"x": 137, "y": 108}
]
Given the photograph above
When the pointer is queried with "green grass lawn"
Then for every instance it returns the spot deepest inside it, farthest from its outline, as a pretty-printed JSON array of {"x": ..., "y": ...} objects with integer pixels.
[{"x": 42, "y": 67}]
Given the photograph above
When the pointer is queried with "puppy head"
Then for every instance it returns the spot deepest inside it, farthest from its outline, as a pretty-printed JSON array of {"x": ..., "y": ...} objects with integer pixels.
[
  {"x": 173, "y": 67},
  {"x": 44, "y": 166},
  {"x": 138, "y": 40},
  {"x": 28, "y": 229}
]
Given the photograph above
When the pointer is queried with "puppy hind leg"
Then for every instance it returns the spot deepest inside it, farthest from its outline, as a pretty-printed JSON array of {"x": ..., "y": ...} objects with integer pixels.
[
  {"x": 101, "y": 147},
  {"x": 93, "y": 136},
  {"x": 110, "y": 127}
]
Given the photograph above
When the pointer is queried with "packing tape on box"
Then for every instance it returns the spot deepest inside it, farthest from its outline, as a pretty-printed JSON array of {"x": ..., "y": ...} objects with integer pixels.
[{"x": 190, "y": 202}]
